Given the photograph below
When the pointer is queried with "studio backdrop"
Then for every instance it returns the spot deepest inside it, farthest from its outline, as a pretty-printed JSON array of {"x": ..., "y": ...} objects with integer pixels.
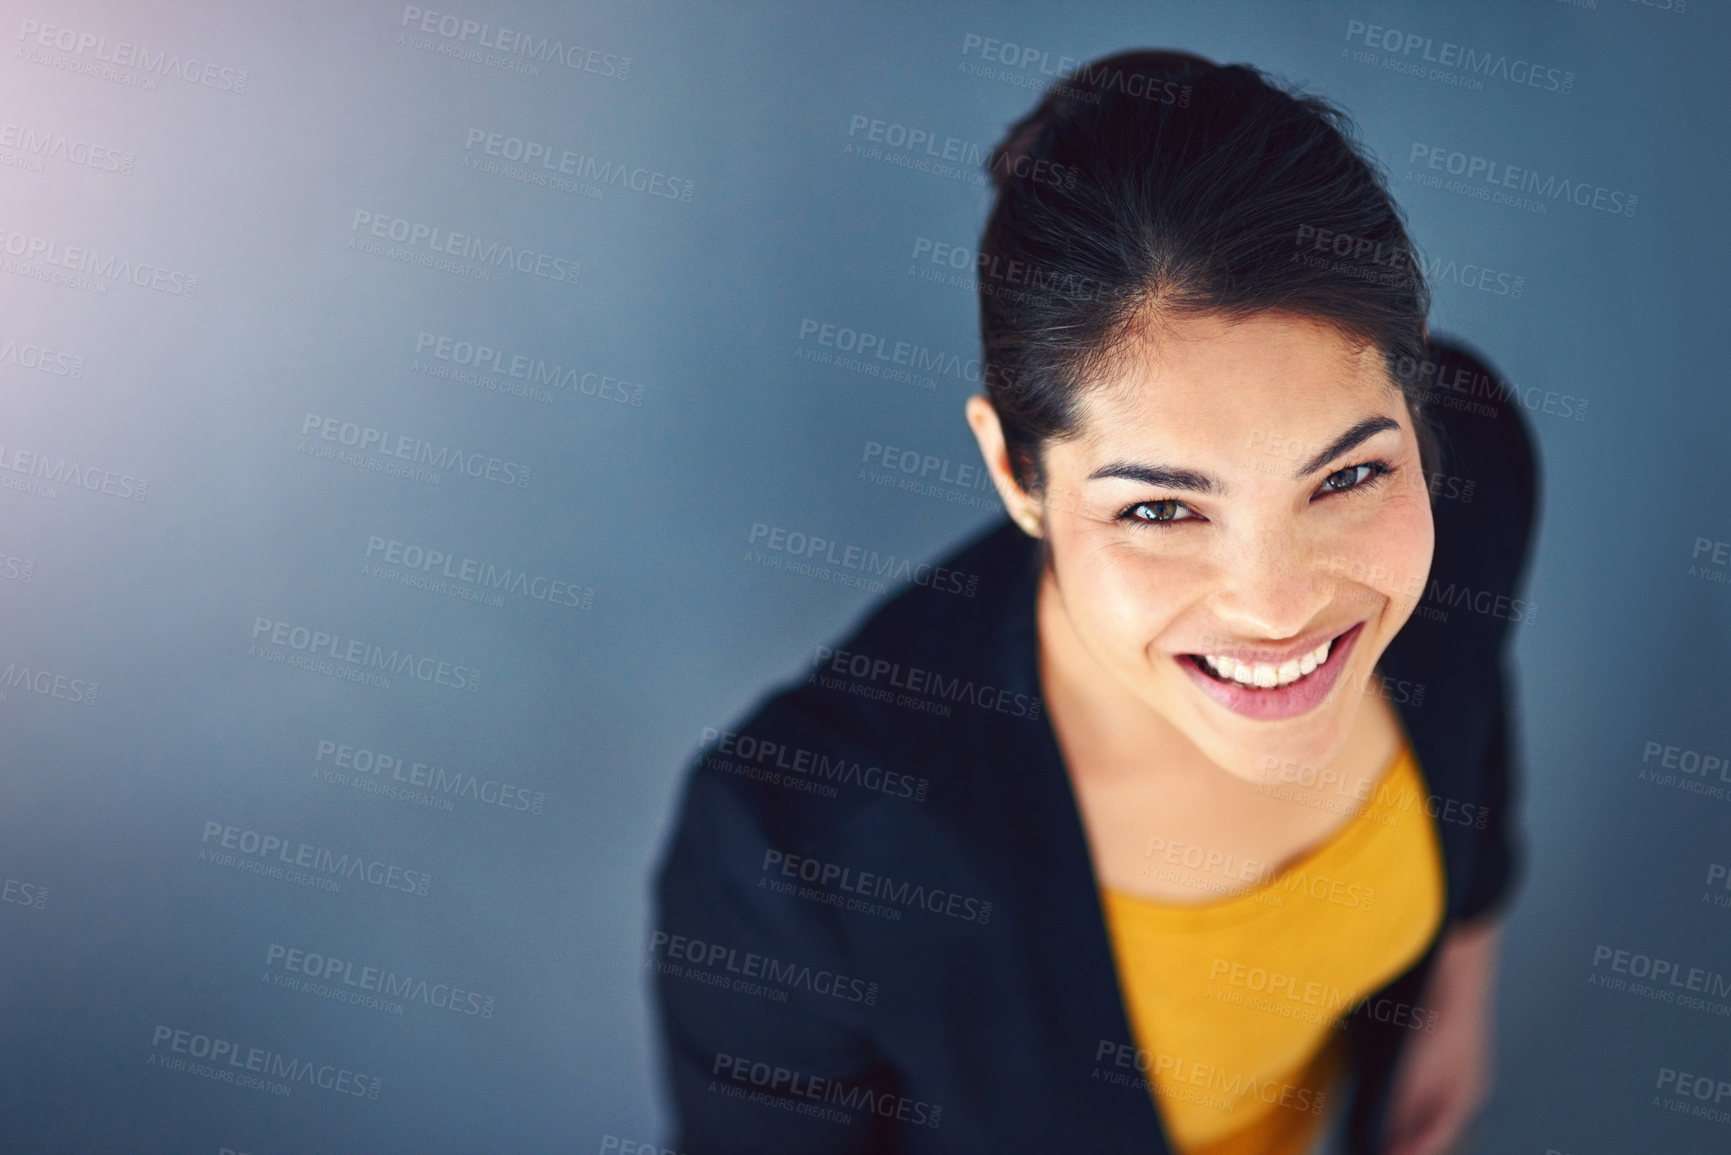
[{"x": 422, "y": 427}]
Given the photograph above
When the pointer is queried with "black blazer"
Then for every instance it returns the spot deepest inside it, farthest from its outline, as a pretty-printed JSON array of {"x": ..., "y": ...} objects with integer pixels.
[{"x": 878, "y": 903}]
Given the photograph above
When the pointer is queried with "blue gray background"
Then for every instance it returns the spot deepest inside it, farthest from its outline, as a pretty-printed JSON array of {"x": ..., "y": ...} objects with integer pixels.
[{"x": 645, "y": 494}]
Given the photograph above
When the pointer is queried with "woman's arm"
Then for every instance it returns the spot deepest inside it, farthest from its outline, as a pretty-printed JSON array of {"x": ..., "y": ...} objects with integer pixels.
[
  {"x": 746, "y": 1072},
  {"x": 1445, "y": 1075}
]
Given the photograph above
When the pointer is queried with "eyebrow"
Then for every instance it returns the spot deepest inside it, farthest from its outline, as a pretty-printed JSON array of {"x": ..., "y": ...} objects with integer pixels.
[
  {"x": 1192, "y": 481},
  {"x": 1159, "y": 477},
  {"x": 1363, "y": 431}
]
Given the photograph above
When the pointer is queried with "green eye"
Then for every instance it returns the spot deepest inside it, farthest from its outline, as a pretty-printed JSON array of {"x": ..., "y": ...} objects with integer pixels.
[
  {"x": 1160, "y": 511},
  {"x": 1349, "y": 478}
]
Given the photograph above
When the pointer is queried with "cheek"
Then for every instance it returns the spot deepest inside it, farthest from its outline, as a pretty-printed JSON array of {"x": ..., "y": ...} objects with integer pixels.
[
  {"x": 1121, "y": 594},
  {"x": 1397, "y": 545}
]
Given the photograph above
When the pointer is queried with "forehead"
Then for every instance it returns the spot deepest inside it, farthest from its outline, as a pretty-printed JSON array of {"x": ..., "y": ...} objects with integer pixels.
[{"x": 1221, "y": 380}]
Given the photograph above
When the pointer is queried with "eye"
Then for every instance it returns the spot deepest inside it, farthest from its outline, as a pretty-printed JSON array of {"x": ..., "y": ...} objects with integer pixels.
[
  {"x": 1163, "y": 512},
  {"x": 1359, "y": 476}
]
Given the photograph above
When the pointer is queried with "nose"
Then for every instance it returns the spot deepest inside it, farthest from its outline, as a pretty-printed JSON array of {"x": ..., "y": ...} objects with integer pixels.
[{"x": 1269, "y": 584}]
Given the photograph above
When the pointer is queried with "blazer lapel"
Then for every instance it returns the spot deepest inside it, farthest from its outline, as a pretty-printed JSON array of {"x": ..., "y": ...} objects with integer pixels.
[{"x": 1035, "y": 838}]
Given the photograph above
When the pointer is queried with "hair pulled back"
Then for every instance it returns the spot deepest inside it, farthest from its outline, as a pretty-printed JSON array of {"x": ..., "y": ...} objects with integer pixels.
[{"x": 1154, "y": 183}]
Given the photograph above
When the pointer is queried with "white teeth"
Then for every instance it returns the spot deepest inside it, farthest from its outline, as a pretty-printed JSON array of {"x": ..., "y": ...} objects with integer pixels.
[{"x": 1266, "y": 675}]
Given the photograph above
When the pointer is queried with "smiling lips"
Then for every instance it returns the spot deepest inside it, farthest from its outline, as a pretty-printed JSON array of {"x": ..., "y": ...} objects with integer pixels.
[
  {"x": 1265, "y": 674},
  {"x": 1273, "y": 684}
]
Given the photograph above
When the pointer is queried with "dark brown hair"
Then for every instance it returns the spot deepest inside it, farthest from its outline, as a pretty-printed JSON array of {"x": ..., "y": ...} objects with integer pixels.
[{"x": 1160, "y": 182}]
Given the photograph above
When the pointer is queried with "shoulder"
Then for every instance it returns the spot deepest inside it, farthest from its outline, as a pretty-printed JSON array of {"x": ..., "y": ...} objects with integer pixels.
[
  {"x": 1485, "y": 487},
  {"x": 1488, "y": 460},
  {"x": 876, "y": 715}
]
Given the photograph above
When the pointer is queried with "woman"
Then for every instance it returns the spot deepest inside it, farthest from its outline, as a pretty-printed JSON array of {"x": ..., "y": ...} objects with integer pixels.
[{"x": 1190, "y": 831}]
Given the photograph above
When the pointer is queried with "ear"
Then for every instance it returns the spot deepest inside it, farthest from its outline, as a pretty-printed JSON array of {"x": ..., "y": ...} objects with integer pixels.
[{"x": 989, "y": 432}]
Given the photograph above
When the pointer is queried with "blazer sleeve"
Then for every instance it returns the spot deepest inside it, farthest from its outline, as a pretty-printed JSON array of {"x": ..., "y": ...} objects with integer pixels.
[
  {"x": 1498, "y": 529},
  {"x": 749, "y": 1073},
  {"x": 1500, "y": 858}
]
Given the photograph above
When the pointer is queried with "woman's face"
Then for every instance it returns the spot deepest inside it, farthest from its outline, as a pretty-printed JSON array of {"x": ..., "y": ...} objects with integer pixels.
[{"x": 1239, "y": 531}]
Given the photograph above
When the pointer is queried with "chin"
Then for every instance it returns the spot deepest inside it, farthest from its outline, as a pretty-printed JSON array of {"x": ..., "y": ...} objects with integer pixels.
[{"x": 1255, "y": 748}]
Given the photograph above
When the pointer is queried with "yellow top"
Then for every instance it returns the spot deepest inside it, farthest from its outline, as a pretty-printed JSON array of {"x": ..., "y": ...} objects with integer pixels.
[{"x": 1238, "y": 1003}]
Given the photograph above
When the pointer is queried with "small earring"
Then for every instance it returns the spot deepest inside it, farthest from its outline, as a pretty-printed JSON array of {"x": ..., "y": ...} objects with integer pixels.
[{"x": 1030, "y": 524}]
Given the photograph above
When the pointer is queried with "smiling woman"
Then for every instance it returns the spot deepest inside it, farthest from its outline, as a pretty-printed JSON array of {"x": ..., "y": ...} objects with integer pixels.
[
  {"x": 1168, "y": 496},
  {"x": 1212, "y": 823}
]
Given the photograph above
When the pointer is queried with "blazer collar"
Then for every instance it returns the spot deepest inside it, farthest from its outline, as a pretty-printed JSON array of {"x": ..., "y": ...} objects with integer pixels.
[{"x": 1036, "y": 840}]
